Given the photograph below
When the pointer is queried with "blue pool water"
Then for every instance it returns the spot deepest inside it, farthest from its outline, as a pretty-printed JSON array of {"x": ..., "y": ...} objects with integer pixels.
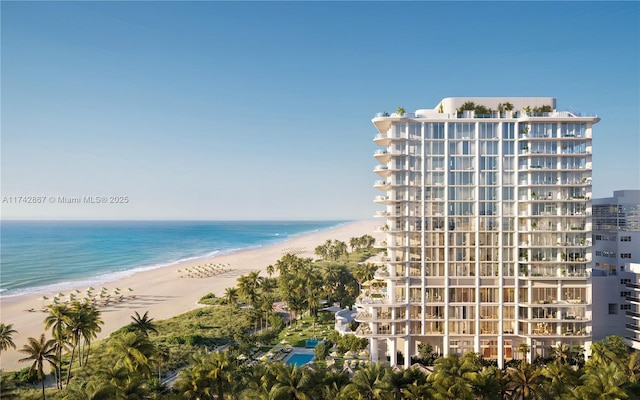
[
  {"x": 312, "y": 343},
  {"x": 300, "y": 359}
]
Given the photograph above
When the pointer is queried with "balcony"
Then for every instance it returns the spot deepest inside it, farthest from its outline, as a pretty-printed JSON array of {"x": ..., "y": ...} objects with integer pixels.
[
  {"x": 385, "y": 140},
  {"x": 633, "y": 327},
  {"x": 383, "y": 156},
  {"x": 382, "y": 214},
  {"x": 365, "y": 331},
  {"x": 382, "y": 185},
  {"x": 633, "y": 314},
  {"x": 365, "y": 300},
  {"x": 382, "y": 170},
  {"x": 382, "y": 200}
]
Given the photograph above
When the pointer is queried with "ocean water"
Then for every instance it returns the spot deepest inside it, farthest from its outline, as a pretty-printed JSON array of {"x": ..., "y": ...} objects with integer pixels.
[{"x": 37, "y": 255}]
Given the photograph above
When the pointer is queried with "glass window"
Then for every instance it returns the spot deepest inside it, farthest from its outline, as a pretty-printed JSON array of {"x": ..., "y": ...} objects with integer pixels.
[
  {"x": 572, "y": 129},
  {"x": 462, "y": 130},
  {"x": 508, "y": 130},
  {"x": 488, "y": 130}
]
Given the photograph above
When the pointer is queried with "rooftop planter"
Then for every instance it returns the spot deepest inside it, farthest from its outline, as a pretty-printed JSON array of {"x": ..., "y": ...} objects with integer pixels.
[{"x": 478, "y": 109}]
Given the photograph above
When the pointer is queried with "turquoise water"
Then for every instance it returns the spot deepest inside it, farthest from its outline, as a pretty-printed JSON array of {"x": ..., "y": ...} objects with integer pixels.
[
  {"x": 58, "y": 254},
  {"x": 299, "y": 359},
  {"x": 311, "y": 343}
]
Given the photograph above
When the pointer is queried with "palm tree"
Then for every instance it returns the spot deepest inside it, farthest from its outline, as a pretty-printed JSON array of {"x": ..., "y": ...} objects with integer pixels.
[
  {"x": 415, "y": 391},
  {"x": 231, "y": 298},
  {"x": 339, "y": 249},
  {"x": 632, "y": 369},
  {"x": 561, "y": 378},
  {"x": 6, "y": 337},
  {"x": 39, "y": 351},
  {"x": 209, "y": 375},
  {"x": 57, "y": 321},
  {"x": 369, "y": 383},
  {"x": 89, "y": 391},
  {"x": 292, "y": 383},
  {"x": 332, "y": 383},
  {"x": 524, "y": 349},
  {"x": 400, "y": 380},
  {"x": 257, "y": 381},
  {"x": 612, "y": 349},
  {"x": 368, "y": 241},
  {"x": 452, "y": 377},
  {"x": 354, "y": 242},
  {"x": 561, "y": 352},
  {"x": 190, "y": 384},
  {"x": 364, "y": 272},
  {"x": 83, "y": 324},
  {"x": 143, "y": 324},
  {"x": 221, "y": 368},
  {"x": 604, "y": 383},
  {"x": 487, "y": 383},
  {"x": 524, "y": 380},
  {"x": 270, "y": 270},
  {"x": 248, "y": 286},
  {"x": 134, "y": 351},
  {"x": 90, "y": 316},
  {"x": 321, "y": 251}
]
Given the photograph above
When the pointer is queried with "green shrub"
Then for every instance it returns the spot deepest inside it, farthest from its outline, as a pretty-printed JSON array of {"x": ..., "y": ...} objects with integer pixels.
[
  {"x": 24, "y": 377},
  {"x": 322, "y": 350}
]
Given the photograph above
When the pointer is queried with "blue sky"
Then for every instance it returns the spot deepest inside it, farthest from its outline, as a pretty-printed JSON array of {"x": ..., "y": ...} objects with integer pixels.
[{"x": 220, "y": 110}]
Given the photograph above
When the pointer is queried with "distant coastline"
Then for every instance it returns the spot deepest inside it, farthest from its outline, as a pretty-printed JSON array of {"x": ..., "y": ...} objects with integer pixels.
[{"x": 46, "y": 256}]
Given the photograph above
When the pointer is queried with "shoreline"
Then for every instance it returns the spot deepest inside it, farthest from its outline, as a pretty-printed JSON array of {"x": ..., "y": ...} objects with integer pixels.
[
  {"x": 162, "y": 291},
  {"x": 104, "y": 277}
]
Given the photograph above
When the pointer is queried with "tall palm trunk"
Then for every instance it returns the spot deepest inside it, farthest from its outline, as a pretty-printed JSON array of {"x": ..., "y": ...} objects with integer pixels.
[{"x": 73, "y": 350}]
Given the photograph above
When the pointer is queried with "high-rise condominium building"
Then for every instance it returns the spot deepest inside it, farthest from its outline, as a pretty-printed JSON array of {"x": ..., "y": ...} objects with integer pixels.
[{"x": 487, "y": 205}]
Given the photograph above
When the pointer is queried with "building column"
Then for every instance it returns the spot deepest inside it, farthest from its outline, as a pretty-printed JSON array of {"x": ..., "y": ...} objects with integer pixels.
[
  {"x": 408, "y": 347},
  {"x": 373, "y": 350},
  {"x": 392, "y": 350}
]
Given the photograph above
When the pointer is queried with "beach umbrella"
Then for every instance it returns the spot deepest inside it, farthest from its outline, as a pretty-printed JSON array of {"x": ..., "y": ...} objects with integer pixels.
[
  {"x": 43, "y": 298},
  {"x": 55, "y": 300},
  {"x": 60, "y": 294}
]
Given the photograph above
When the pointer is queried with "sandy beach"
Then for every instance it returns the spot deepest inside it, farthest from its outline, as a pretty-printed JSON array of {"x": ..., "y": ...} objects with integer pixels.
[{"x": 166, "y": 291}]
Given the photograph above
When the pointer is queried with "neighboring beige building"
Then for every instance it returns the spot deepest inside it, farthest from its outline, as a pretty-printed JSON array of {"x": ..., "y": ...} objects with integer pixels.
[{"x": 487, "y": 216}]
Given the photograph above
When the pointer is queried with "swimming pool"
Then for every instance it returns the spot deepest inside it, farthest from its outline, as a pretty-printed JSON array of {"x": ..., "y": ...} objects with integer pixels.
[{"x": 299, "y": 359}]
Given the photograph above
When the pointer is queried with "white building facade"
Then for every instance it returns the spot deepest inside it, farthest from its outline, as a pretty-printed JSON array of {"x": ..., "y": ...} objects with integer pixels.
[
  {"x": 616, "y": 249},
  {"x": 486, "y": 210}
]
